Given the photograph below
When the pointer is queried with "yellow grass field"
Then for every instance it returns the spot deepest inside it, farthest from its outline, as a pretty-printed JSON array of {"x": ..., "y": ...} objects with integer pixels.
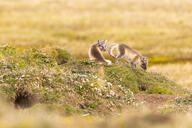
[
  {"x": 156, "y": 29},
  {"x": 181, "y": 73}
]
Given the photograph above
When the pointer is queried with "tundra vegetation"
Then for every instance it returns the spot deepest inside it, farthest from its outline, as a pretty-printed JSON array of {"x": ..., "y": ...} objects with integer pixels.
[{"x": 46, "y": 79}]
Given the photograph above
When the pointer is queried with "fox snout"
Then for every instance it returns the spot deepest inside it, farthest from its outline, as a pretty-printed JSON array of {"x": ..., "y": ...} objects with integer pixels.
[
  {"x": 102, "y": 49},
  {"x": 144, "y": 66}
]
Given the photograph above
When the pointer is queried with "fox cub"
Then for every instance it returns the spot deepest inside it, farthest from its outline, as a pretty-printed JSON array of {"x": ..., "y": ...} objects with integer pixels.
[
  {"x": 95, "y": 52},
  {"x": 129, "y": 54}
]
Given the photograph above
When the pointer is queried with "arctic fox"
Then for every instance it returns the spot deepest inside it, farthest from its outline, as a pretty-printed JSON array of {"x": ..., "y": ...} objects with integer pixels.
[
  {"x": 95, "y": 52},
  {"x": 129, "y": 54}
]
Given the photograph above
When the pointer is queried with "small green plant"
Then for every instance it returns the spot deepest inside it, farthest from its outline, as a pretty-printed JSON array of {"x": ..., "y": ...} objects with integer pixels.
[
  {"x": 79, "y": 90},
  {"x": 93, "y": 105},
  {"x": 84, "y": 88}
]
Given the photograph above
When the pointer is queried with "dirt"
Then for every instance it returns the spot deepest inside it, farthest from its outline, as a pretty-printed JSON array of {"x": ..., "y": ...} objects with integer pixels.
[{"x": 154, "y": 100}]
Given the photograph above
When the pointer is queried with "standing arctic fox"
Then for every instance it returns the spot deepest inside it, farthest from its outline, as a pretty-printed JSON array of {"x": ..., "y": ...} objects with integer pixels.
[
  {"x": 129, "y": 54},
  {"x": 95, "y": 52}
]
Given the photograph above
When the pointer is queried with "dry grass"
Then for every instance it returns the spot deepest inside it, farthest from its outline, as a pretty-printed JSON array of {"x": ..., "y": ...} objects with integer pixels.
[
  {"x": 160, "y": 28},
  {"x": 181, "y": 73}
]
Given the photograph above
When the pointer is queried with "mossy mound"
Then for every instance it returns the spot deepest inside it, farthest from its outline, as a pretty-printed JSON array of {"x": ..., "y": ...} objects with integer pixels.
[
  {"x": 76, "y": 86},
  {"x": 140, "y": 81}
]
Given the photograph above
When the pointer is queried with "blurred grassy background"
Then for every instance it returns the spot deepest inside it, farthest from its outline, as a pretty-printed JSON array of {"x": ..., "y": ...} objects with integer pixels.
[{"x": 156, "y": 28}]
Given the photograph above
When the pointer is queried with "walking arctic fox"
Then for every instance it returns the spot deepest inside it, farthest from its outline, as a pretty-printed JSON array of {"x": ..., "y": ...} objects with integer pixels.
[
  {"x": 129, "y": 54},
  {"x": 95, "y": 52}
]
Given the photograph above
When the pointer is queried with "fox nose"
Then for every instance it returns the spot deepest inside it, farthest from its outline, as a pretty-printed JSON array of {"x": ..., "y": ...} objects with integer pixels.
[{"x": 144, "y": 66}]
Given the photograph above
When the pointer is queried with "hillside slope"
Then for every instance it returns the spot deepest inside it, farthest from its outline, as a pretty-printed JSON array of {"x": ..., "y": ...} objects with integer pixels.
[{"x": 54, "y": 80}]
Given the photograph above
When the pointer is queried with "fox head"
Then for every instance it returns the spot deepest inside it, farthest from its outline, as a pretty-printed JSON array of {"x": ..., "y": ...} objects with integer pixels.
[
  {"x": 102, "y": 45},
  {"x": 144, "y": 63}
]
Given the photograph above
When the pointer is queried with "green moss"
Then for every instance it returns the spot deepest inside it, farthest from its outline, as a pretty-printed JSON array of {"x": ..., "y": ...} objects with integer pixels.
[
  {"x": 122, "y": 75},
  {"x": 61, "y": 56},
  {"x": 159, "y": 90},
  {"x": 140, "y": 81}
]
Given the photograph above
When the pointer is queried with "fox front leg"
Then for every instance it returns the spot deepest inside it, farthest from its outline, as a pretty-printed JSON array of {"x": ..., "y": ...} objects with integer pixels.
[
  {"x": 118, "y": 58},
  {"x": 128, "y": 60},
  {"x": 133, "y": 65}
]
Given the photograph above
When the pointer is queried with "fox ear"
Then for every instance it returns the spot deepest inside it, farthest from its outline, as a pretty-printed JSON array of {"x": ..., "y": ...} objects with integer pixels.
[
  {"x": 145, "y": 58},
  {"x": 99, "y": 41}
]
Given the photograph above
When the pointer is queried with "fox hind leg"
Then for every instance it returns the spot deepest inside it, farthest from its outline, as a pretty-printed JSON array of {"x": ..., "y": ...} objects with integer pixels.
[
  {"x": 127, "y": 59},
  {"x": 133, "y": 65}
]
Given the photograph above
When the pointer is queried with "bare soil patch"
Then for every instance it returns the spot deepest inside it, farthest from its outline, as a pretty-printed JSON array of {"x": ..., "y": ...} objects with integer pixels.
[{"x": 154, "y": 100}]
